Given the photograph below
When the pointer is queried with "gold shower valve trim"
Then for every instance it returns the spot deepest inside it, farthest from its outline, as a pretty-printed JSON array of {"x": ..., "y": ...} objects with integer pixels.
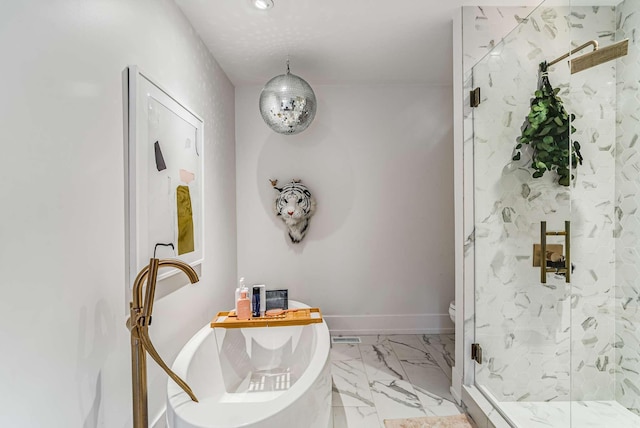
[
  {"x": 543, "y": 251},
  {"x": 554, "y": 253}
]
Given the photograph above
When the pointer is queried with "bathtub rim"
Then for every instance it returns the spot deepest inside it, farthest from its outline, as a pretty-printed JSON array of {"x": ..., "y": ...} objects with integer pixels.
[{"x": 177, "y": 398}]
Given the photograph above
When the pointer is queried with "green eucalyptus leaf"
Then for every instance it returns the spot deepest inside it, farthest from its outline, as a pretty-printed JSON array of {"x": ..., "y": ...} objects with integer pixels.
[{"x": 547, "y": 130}]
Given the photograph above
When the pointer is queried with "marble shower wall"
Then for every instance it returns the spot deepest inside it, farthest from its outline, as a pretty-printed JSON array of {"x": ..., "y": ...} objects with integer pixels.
[
  {"x": 627, "y": 232},
  {"x": 593, "y": 99},
  {"x": 485, "y": 27},
  {"x": 532, "y": 334}
]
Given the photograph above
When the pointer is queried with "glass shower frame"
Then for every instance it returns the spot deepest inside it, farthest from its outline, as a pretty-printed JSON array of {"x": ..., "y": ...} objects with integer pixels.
[{"x": 554, "y": 343}]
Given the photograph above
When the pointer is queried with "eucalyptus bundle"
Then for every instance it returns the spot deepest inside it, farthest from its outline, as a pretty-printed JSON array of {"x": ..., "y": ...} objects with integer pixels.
[{"x": 548, "y": 130}]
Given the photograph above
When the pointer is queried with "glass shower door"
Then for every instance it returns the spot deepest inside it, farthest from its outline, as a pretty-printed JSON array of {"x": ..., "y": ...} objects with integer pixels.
[
  {"x": 553, "y": 352},
  {"x": 522, "y": 321}
]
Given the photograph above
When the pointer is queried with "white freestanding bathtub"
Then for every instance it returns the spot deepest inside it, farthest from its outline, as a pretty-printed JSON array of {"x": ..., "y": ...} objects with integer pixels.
[{"x": 254, "y": 377}]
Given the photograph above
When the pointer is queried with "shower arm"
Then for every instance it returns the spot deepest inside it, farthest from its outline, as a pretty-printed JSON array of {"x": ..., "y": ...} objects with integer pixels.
[
  {"x": 578, "y": 49},
  {"x": 138, "y": 323}
]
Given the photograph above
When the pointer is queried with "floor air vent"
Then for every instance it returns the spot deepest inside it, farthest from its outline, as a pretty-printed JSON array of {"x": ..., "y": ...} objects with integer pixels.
[{"x": 345, "y": 340}]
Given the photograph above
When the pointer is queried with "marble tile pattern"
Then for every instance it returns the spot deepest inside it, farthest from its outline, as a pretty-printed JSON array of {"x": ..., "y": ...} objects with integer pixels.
[
  {"x": 390, "y": 377},
  {"x": 582, "y": 414},
  {"x": 522, "y": 325},
  {"x": 592, "y": 98},
  {"x": 485, "y": 27},
  {"x": 627, "y": 181}
]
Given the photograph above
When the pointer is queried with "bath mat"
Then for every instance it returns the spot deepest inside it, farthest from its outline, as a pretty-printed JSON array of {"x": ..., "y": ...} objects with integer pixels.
[{"x": 457, "y": 421}]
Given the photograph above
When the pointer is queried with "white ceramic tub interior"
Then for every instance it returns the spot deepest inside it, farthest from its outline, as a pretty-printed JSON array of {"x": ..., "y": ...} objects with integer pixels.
[{"x": 250, "y": 377}]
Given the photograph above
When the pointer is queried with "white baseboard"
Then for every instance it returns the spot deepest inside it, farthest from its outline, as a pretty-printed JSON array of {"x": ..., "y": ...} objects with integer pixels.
[{"x": 389, "y": 324}]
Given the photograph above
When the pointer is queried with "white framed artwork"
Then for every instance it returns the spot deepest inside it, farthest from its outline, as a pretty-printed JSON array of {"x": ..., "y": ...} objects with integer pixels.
[{"x": 164, "y": 177}]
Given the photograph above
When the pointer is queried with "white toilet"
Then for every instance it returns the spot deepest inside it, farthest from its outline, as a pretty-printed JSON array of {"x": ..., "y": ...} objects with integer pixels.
[{"x": 452, "y": 311}]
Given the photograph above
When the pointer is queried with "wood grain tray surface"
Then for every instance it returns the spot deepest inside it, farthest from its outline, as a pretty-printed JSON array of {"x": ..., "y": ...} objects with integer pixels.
[{"x": 298, "y": 317}]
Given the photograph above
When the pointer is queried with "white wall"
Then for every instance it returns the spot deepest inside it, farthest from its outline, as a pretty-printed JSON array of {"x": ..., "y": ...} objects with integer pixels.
[
  {"x": 380, "y": 246},
  {"x": 65, "y": 347}
]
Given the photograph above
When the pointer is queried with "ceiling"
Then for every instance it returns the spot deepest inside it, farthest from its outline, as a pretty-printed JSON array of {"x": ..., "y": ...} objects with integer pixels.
[{"x": 332, "y": 41}]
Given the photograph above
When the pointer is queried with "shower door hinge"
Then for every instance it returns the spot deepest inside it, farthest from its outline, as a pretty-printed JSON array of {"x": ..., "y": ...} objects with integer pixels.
[
  {"x": 476, "y": 352},
  {"x": 474, "y": 97}
]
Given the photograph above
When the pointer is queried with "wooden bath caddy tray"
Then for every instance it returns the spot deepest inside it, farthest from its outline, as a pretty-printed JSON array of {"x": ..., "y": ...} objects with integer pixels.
[{"x": 301, "y": 316}]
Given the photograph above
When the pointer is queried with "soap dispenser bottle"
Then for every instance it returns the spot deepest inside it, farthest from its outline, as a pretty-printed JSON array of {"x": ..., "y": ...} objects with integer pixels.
[
  {"x": 244, "y": 306},
  {"x": 238, "y": 290}
]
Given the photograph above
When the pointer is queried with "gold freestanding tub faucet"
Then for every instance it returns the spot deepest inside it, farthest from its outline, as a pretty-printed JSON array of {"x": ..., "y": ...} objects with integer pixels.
[{"x": 138, "y": 323}]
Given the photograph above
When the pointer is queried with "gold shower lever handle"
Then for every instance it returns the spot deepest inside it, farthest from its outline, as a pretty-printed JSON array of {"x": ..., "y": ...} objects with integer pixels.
[{"x": 543, "y": 250}]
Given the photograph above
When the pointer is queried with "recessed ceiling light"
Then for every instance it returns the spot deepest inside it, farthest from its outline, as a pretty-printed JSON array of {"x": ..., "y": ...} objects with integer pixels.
[{"x": 262, "y": 4}]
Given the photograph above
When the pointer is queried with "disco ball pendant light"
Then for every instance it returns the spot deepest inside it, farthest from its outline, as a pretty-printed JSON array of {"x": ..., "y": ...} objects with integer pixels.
[{"x": 287, "y": 103}]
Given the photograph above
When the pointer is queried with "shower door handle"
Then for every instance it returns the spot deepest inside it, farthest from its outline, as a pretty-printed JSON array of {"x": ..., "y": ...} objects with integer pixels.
[
  {"x": 567, "y": 250},
  {"x": 543, "y": 250}
]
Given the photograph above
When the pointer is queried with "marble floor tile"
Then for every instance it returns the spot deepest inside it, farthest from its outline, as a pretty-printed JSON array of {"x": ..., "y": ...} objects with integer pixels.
[
  {"x": 396, "y": 399},
  {"x": 373, "y": 339},
  {"x": 408, "y": 346},
  {"x": 435, "y": 405},
  {"x": 380, "y": 362},
  {"x": 342, "y": 351},
  {"x": 442, "y": 349},
  {"x": 355, "y": 417},
  {"x": 391, "y": 377},
  {"x": 350, "y": 384},
  {"x": 427, "y": 375}
]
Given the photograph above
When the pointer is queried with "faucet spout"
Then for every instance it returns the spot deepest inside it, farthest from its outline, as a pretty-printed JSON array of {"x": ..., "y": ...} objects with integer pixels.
[{"x": 138, "y": 324}]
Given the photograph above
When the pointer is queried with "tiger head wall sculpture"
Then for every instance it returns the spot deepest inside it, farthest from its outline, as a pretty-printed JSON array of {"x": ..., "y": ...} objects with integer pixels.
[{"x": 295, "y": 205}]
